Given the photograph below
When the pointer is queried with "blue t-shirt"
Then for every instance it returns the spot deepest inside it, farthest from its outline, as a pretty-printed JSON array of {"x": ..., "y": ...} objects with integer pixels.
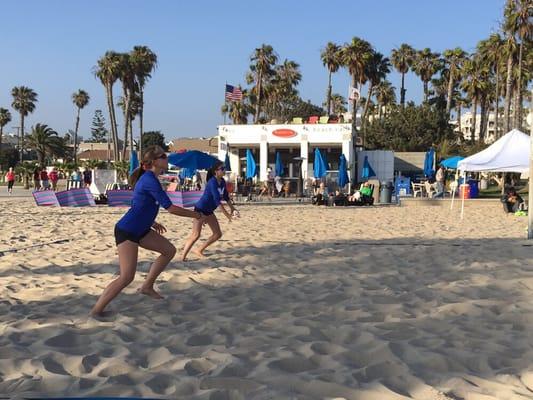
[
  {"x": 148, "y": 195},
  {"x": 214, "y": 192}
]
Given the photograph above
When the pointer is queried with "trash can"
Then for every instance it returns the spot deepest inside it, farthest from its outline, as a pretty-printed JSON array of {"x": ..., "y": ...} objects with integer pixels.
[
  {"x": 464, "y": 191},
  {"x": 474, "y": 188},
  {"x": 385, "y": 192}
]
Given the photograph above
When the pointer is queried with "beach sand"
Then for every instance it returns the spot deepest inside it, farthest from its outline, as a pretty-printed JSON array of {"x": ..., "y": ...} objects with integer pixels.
[{"x": 295, "y": 302}]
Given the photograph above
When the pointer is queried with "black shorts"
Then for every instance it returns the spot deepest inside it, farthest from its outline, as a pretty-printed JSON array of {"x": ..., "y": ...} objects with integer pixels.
[
  {"x": 10, "y": 184},
  {"x": 122, "y": 236},
  {"x": 203, "y": 212}
]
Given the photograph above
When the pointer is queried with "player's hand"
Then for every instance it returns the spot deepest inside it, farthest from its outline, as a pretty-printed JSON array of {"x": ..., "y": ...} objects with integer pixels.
[{"x": 159, "y": 228}]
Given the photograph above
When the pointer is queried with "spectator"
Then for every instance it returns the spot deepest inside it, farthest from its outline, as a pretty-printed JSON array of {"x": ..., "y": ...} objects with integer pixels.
[
  {"x": 10, "y": 178},
  {"x": 36, "y": 178},
  {"x": 45, "y": 183},
  {"x": 87, "y": 177},
  {"x": 54, "y": 177},
  {"x": 511, "y": 201}
]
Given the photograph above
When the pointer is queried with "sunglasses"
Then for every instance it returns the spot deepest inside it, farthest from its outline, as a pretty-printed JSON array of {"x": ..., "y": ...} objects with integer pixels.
[
  {"x": 221, "y": 169},
  {"x": 162, "y": 156}
]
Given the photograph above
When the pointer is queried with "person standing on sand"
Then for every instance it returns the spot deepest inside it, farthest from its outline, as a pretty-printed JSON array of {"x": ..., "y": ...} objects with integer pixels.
[
  {"x": 138, "y": 228},
  {"x": 10, "y": 178},
  {"x": 215, "y": 192}
]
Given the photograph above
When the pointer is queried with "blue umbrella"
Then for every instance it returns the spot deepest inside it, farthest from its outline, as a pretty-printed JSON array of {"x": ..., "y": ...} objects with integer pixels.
[
  {"x": 187, "y": 173},
  {"x": 367, "y": 171},
  {"x": 343, "y": 172},
  {"x": 251, "y": 167},
  {"x": 192, "y": 159},
  {"x": 429, "y": 172},
  {"x": 319, "y": 166},
  {"x": 451, "y": 162},
  {"x": 227, "y": 164},
  {"x": 279, "y": 165},
  {"x": 134, "y": 162}
]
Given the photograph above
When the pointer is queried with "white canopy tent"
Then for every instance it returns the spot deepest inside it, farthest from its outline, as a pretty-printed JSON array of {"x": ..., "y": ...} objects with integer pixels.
[{"x": 510, "y": 153}]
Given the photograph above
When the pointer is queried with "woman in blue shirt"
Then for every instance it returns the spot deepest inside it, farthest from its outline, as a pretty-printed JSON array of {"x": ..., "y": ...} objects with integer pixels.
[
  {"x": 215, "y": 191},
  {"x": 138, "y": 228}
]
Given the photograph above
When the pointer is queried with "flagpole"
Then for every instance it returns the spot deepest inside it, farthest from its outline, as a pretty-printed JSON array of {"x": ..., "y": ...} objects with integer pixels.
[{"x": 225, "y": 101}]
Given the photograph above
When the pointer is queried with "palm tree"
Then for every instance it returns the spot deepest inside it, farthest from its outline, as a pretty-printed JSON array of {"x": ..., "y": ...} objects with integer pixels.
[
  {"x": 108, "y": 71},
  {"x": 263, "y": 59},
  {"x": 282, "y": 87},
  {"x": 355, "y": 56},
  {"x": 385, "y": 96},
  {"x": 376, "y": 70},
  {"x": 129, "y": 89},
  {"x": 24, "y": 100},
  {"x": 80, "y": 100},
  {"x": 518, "y": 16},
  {"x": 491, "y": 51},
  {"x": 454, "y": 60},
  {"x": 46, "y": 142},
  {"x": 330, "y": 59},
  {"x": 5, "y": 118},
  {"x": 144, "y": 62},
  {"x": 474, "y": 84},
  {"x": 338, "y": 104},
  {"x": 426, "y": 65},
  {"x": 402, "y": 59},
  {"x": 510, "y": 52},
  {"x": 239, "y": 110}
]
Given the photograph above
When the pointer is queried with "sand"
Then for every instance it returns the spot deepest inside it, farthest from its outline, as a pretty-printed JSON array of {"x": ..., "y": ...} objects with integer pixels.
[{"x": 295, "y": 302}]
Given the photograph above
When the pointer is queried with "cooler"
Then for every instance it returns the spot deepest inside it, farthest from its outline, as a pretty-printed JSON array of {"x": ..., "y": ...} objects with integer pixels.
[
  {"x": 402, "y": 186},
  {"x": 464, "y": 192}
]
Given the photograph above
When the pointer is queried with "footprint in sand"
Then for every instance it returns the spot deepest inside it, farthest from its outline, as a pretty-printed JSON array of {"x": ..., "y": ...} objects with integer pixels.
[
  {"x": 293, "y": 364},
  {"x": 89, "y": 362},
  {"x": 198, "y": 367},
  {"x": 199, "y": 340},
  {"x": 54, "y": 367}
]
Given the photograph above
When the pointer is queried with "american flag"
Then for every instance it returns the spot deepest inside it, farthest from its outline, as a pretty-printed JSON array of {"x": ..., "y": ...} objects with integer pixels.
[{"x": 233, "y": 93}]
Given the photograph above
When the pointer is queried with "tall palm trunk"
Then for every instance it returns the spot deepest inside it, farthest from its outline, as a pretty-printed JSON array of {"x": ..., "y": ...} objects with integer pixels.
[
  {"x": 126, "y": 113},
  {"x": 497, "y": 131},
  {"x": 257, "y": 105},
  {"x": 426, "y": 89},
  {"x": 450, "y": 92},
  {"x": 141, "y": 109},
  {"x": 365, "y": 109},
  {"x": 518, "y": 105},
  {"x": 75, "y": 152},
  {"x": 482, "y": 125},
  {"x": 329, "y": 93},
  {"x": 458, "y": 108},
  {"x": 508, "y": 89},
  {"x": 474, "y": 120},
  {"x": 21, "y": 136},
  {"x": 402, "y": 91},
  {"x": 112, "y": 118},
  {"x": 354, "y": 106}
]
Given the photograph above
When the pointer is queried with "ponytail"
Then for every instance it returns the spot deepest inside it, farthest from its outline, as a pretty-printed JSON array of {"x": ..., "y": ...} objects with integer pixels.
[
  {"x": 135, "y": 175},
  {"x": 151, "y": 153},
  {"x": 211, "y": 171}
]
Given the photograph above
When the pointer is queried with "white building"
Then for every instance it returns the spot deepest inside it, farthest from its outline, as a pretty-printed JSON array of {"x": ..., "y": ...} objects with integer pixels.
[
  {"x": 490, "y": 135},
  {"x": 291, "y": 141}
]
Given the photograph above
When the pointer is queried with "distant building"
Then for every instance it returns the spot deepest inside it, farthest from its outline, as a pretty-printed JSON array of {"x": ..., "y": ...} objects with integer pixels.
[
  {"x": 207, "y": 145},
  {"x": 491, "y": 134}
]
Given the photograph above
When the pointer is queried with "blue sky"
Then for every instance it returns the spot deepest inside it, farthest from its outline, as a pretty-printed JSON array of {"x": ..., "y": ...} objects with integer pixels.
[{"x": 53, "y": 45}]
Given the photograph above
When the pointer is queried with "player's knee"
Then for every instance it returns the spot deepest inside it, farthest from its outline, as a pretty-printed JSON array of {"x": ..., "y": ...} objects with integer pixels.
[
  {"x": 170, "y": 252},
  {"x": 217, "y": 235},
  {"x": 126, "y": 279}
]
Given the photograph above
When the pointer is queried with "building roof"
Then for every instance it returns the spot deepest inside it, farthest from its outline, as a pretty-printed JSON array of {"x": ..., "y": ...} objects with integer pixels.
[
  {"x": 97, "y": 155},
  {"x": 207, "y": 145}
]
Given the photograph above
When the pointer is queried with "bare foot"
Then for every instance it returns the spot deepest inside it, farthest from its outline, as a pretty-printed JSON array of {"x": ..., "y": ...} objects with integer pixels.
[
  {"x": 102, "y": 316},
  {"x": 199, "y": 254},
  {"x": 151, "y": 293}
]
